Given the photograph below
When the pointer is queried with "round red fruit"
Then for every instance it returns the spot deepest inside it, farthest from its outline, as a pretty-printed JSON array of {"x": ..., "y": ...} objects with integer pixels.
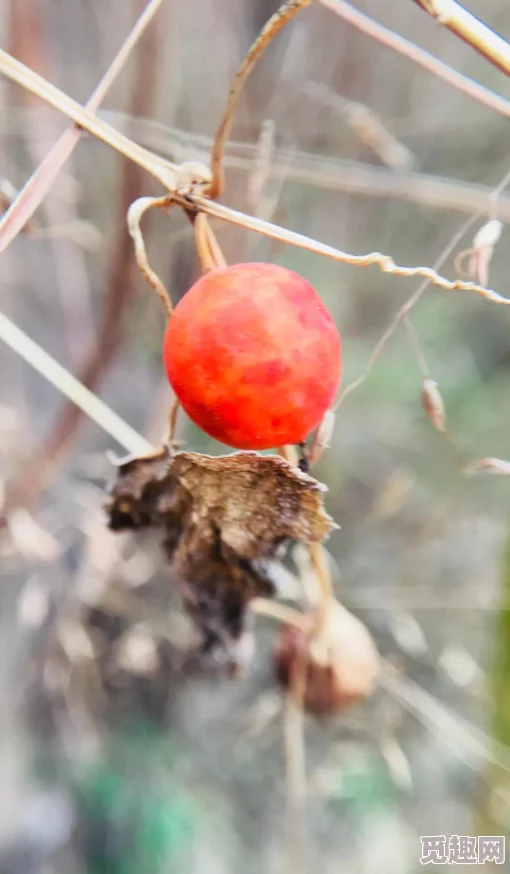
[{"x": 253, "y": 356}]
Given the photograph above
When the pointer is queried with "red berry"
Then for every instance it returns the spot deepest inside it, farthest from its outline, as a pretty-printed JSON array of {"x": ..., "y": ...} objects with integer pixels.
[{"x": 253, "y": 356}]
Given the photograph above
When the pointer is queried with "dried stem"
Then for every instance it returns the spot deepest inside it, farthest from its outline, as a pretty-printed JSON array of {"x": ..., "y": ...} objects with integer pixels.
[
  {"x": 310, "y": 169},
  {"x": 402, "y": 314},
  {"x": 172, "y": 423},
  {"x": 135, "y": 213},
  {"x": 202, "y": 244},
  {"x": 277, "y": 21},
  {"x": 207, "y": 246},
  {"x": 295, "y": 765},
  {"x": 168, "y": 174},
  {"x": 120, "y": 287},
  {"x": 158, "y": 167},
  {"x": 319, "y": 562},
  {"x": 216, "y": 253},
  {"x": 418, "y": 56},
  {"x": 472, "y": 30},
  {"x": 37, "y": 186},
  {"x": 280, "y": 613},
  {"x": 319, "y": 559},
  {"x": 72, "y": 388},
  {"x": 384, "y": 262}
]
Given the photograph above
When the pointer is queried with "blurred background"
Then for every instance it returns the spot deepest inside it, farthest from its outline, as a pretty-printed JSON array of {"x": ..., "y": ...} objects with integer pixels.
[{"x": 112, "y": 757}]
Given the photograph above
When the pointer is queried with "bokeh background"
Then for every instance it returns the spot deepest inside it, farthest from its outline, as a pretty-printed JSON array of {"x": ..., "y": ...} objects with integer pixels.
[{"x": 110, "y": 765}]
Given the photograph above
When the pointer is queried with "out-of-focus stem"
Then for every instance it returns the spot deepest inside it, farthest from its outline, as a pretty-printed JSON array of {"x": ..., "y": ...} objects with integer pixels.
[
  {"x": 284, "y": 14},
  {"x": 471, "y": 29}
]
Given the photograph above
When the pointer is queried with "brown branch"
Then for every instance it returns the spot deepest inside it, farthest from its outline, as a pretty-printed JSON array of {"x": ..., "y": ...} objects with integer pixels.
[
  {"x": 471, "y": 29},
  {"x": 284, "y": 14}
]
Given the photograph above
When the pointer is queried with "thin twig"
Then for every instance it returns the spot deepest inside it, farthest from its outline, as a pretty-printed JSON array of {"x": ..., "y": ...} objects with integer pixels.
[
  {"x": 333, "y": 174},
  {"x": 352, "y": 178},
  {"x": 280, "y": 613},
  {"x": 207, "y": 246},
  {"x": 319, "y": 560},
  {"x": 384, "y": 262},
  {"x": 284, "y": 14},
  {"x": 402, "y": 314},
  {"x": 72, "y": 388},
  {"x": 172, "y": 423},
  {"x": 367, "y": 126},
  {"x": 135, "y": 213},
  {"x": 200, "y": 225},
  {"x": 472, "y": 30},
  {"x": 295, "y": 765},
  {"x": 216, "y": 253},
  {"x": 37, "y": 186},
  {"x": 120, "y": 288},
  {"x": 469, "y": 741},
  {"x": 418, "y": 56},
  {"x": 160, "y": 168}
]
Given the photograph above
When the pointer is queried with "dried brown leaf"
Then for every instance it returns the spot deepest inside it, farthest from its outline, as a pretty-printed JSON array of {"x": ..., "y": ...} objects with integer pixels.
[{"x": 223, "y": 519}]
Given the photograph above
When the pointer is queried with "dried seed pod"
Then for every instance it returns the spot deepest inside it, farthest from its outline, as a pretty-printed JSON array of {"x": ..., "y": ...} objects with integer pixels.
[
  {"x": 483, "y": 248},
  {"x": 340, "y": 665},
  {"x": 494, "y": 466},
  {"x": 488, "y": 234},
  {"x": 433, "y": 405}
]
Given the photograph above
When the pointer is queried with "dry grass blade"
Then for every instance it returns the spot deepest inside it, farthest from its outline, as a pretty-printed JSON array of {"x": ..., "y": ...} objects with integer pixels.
[
  {"x": 476, "y": 33},
  {"x": 470, "y": 744},
  {"x": 69, "y": 386},
  {"x": 24, "y": 205},
  {"x": 284, "y": 14},
  {"x": 424, "y": 59},
  {"x": 161, "y": 169},
  {"x": 384, "y": 262}
]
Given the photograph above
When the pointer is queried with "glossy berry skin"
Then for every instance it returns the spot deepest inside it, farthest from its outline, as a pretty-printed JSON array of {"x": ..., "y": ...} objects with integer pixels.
[{"x": 253, "y": 356}]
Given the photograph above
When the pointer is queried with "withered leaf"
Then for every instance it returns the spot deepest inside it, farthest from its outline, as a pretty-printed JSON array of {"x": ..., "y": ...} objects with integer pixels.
[
  {"x": 222, "y": 518},
  {"x": 255, "y": 500}
]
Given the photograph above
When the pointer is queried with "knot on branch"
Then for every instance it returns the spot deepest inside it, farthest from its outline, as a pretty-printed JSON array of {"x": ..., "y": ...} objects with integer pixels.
[{"x": 192, "y": 177}]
